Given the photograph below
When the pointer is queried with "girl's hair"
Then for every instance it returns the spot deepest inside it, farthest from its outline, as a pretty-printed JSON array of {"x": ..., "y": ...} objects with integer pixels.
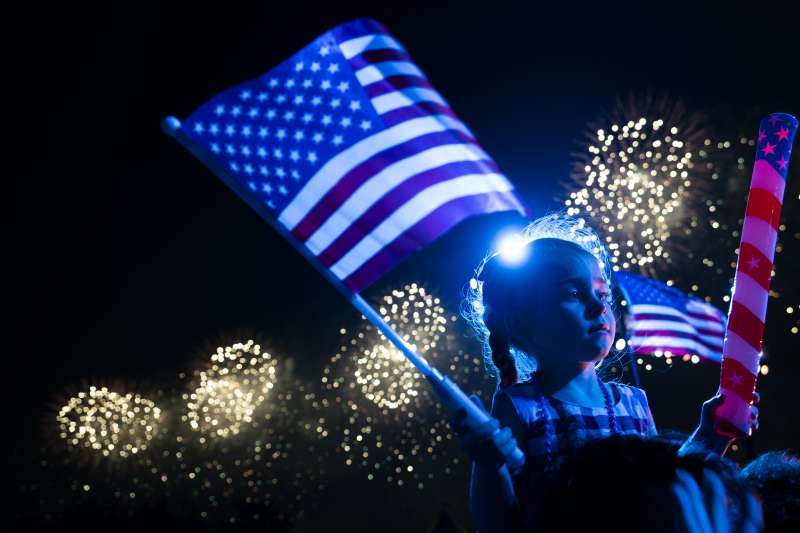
[{"x": 489, "y": 298}]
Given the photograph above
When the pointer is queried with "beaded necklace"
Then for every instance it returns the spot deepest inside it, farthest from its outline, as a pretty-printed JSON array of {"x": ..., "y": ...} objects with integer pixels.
[{"x": 543, "y": 404}]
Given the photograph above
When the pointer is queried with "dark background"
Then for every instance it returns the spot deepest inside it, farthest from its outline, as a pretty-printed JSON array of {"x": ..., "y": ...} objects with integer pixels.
[{"x": 127, "y": 255}]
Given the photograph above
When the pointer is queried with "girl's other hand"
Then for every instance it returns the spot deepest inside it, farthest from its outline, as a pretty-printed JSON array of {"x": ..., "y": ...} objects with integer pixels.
[
  {"x": 705, "y": 433},
  {"x": 484, "y": 444}
]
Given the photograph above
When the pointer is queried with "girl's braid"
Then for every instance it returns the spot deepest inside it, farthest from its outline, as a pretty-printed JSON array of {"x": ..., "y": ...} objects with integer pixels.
[{"x": 501, "y": 351}]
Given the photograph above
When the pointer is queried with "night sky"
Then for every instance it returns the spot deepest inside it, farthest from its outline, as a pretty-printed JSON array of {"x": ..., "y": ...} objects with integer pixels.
[{"x": 129, "y": 257}]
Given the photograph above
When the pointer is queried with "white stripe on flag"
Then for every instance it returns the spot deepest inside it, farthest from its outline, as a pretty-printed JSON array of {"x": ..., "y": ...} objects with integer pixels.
[
  {"x": 663, "y": 310},
  {"x": 346, "y": 160},
  {"x": 751, "y": 295},
  {"x": 415, "y": 210},
  {"x": 384, "y": 181},
  {"x": 698, "y": 306},
  {"x": 356, "y": 46},
  {"x": 396, "y": 99},
  {"x": 665, "y": 343},
  {"x": 379, "y": 71},
  {"x": 662, "y": 325}
]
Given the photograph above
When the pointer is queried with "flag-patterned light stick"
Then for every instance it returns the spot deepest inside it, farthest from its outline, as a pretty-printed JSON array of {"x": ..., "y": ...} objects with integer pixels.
[
  {"x": 350, "y": 154},
  {"x": 745, "y": 331}
]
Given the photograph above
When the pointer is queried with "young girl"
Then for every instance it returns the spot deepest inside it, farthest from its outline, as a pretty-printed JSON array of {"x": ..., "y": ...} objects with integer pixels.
[{"x": 546, "y": 323}]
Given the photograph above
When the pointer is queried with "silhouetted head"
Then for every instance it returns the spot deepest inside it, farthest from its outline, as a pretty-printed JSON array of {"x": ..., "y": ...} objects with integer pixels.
[
  {"x": 775, "y": 476},
  {"x": 627, "y": 483}
]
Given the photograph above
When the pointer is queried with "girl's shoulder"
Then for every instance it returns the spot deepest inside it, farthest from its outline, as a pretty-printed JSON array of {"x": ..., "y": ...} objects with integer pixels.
[
  {"x": 523, "y": 389},
  {"x": 516, "y": 404},
  {"x": 630, "y": 393},
  {"x": 634, "y": 408},
  {"x": 509, "y": 406}
]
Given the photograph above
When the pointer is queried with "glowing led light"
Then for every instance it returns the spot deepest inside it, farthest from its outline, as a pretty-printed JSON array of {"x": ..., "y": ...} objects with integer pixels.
[{"x": 513, "y": 248}]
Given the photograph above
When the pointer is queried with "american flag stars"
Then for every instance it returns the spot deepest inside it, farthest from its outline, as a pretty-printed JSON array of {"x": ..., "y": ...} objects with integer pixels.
[{"x": 315, "y": 89}]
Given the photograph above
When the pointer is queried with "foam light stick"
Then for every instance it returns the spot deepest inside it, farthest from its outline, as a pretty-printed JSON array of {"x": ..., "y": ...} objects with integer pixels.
[{"x": 745, "y": 330}]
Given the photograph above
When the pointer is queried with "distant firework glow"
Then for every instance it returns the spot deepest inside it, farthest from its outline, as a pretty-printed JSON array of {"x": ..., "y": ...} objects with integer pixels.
[
  {"x": 230, "y": 390},
  {"x": 109, "y": 423}
]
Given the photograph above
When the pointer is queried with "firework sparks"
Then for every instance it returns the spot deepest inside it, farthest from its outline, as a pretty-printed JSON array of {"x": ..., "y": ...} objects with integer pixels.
[
  {"x": 110, "y": 423},
  {"x": 636, "y": 181},
  {"x": 384, "y": 374},
  {"x": 230, "y": 390},
  {"x": 390, "y": 423}
]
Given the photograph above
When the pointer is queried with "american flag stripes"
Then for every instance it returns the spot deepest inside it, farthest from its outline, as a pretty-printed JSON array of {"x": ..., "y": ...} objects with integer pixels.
[
  {"x": 748, "y": 309},
  {"x": 663, "y": 320},
  {"x": 349, "y": 147}
]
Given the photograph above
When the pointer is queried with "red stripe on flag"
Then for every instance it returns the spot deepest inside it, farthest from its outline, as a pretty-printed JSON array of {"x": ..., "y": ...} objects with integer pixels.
[
  {"x": 674, "y": 318},
  {"x": 371, "y": 57},
  {"x": 706, "y": 317},
  {"x": 419, "y": 109},
  {"x": 755, "y": 264},
  {"x": 762, "y": 204},
  {"x": 395, "y": 83},
  {"x": 747, "y": 325},
  {"x": 735, "y": 377}
]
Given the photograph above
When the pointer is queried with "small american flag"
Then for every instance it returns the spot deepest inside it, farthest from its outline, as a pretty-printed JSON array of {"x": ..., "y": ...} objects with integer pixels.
[
  {"x": 349, "y": 147},
  {"x": 662, "y": 319}
]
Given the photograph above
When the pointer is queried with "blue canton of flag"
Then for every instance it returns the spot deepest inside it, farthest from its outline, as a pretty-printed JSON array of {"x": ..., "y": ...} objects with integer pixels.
[
  {"x": 349, "y": 147},
  {"x": 664, "y": 321}
]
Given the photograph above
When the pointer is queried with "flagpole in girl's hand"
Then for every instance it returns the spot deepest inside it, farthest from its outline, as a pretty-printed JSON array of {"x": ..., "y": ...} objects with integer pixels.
[
  {"x": 748, "y": 310},
  {"x": 446, "y": 389}
]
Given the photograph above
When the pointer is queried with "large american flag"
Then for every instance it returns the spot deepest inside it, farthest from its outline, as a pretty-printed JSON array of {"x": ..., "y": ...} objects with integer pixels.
[
  {"x": 349, "y": 147},
  {"x": 662, "y": 319}
]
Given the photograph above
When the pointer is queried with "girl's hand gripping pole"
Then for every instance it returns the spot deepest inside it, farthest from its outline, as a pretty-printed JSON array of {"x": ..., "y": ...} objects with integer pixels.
[{"x": 454, "y": 398}]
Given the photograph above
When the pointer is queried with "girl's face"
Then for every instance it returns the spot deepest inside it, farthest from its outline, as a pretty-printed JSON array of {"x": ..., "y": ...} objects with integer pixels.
[{"x": 567, "y": 317}]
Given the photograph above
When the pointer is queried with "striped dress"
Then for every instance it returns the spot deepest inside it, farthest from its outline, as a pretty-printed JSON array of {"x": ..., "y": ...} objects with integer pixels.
[{"x": 516, "y": 407}]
